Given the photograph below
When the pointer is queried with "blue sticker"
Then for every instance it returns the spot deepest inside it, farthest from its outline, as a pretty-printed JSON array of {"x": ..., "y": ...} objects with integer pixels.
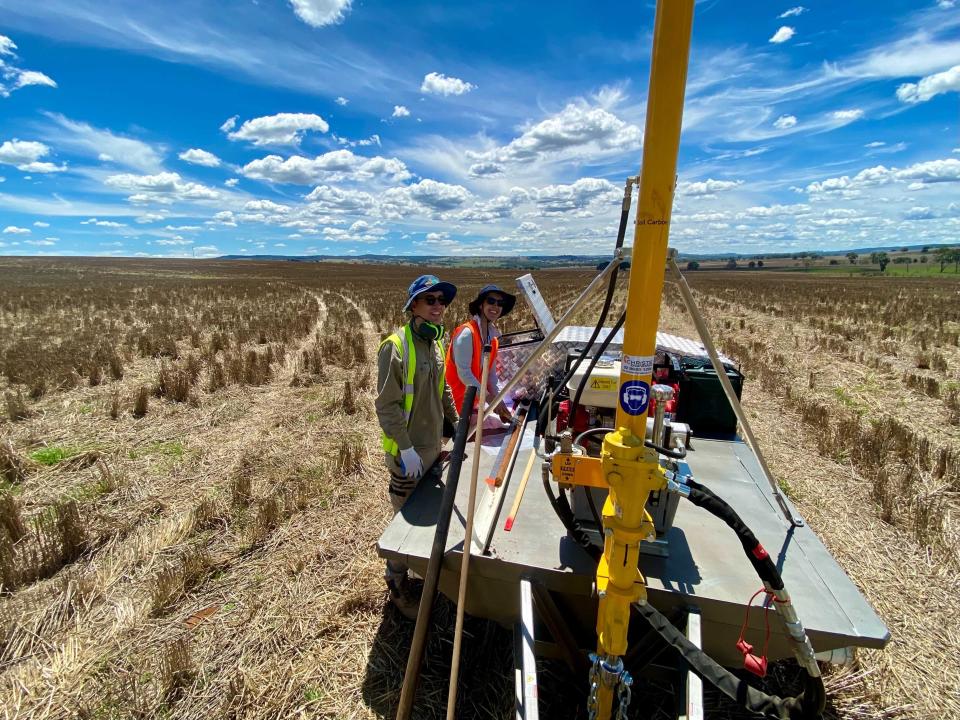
[{"x": 634, "y": 396}]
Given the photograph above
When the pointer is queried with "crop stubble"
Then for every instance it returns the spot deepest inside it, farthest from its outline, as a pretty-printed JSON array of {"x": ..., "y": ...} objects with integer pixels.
[{"x": 226, "y": 564}]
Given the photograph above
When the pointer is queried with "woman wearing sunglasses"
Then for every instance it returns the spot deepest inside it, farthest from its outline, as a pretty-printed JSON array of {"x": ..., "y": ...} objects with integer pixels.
[
  {"x": 413, "y": 406},
  {"x": 467, "y": 341}
]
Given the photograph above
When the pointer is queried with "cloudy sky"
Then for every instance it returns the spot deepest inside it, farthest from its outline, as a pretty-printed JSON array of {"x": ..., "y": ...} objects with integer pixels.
[{"x": 202, "y": 128}]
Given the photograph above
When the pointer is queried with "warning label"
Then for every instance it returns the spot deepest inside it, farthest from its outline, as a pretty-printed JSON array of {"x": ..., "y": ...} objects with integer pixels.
[
  {"x": 637, "y": 364},
  {"x": 603, "y": 383}
]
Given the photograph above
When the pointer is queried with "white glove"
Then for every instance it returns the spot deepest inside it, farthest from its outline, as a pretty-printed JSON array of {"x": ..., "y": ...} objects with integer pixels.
[{"x": 411, "y": 463}]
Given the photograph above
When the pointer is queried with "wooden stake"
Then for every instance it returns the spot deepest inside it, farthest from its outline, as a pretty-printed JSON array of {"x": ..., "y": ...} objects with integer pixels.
[
  {"x": 523, "y": 486},
  {"x": 467, "y": 540}
]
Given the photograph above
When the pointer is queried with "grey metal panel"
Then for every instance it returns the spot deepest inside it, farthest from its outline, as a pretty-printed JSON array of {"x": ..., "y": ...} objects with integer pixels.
[
  {"x": 579, "y": 335},
  {"x": 705, "y": 567}
]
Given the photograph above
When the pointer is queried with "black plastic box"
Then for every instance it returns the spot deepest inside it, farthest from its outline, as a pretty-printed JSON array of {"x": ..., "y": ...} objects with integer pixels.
[{"x": 702, "y": 403}]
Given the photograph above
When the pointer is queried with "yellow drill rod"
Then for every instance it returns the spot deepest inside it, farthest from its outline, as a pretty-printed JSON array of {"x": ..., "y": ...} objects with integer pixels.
[{"x": 632, "y": 471}]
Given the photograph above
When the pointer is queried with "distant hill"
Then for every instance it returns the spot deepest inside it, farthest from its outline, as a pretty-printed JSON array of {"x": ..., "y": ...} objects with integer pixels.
[
  {"x": 536, "y": 262},
  {"x": 532, "y": 262}
]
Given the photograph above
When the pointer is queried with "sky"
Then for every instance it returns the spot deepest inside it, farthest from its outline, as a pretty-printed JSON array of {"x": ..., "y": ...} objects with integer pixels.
[{"x": 201, "y": 128}]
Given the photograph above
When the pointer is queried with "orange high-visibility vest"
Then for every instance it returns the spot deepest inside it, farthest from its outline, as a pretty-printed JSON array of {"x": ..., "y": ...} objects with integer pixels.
[{"x": 453, "y": 378}]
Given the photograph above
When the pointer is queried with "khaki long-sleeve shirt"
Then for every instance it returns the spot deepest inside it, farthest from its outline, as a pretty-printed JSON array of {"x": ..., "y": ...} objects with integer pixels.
[{"x": 425, "y": 431}]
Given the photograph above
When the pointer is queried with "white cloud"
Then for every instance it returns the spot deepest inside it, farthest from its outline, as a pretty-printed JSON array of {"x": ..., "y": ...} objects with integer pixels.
[
  {"x": 400, "y": 111},
  {"x": 576, "y": 197},
  {"x": 847, "y": 116},
  {"x": 578, "y": 130},
  {"x": 333, "y": 166},
  {"x": 279, "y": 129},
  {"x": 486, "y": 169},
  {"x": 196, "y": 156},
  {"x": 706, "y": 188},
  {"x": 225, "y": 217},
  {"x": 428, "y": 197},
  {"x": 363, "y": 142},
  {"x": 341, "y": 101},
  {"x": 161, "y": 187},
  {"x": 206, "y": 251},
  {"x": 327, "y": 198},
  {"x": 793, "y": 12},
  {"x": 785, "y": 122},
  {"x": 440, "y": 84},
  {"x": 177, "y": 240},
  {"x": 229, "y": 124},
  {"x": 102, "y": 223},
  {"x": 922, "y": 174},
  {"x": 14, "y": 78},
  {"x": 279, "y": 245},
  {"x": 25, "y": 155},
  {"x": 946, "y": 4},
  {"x": 319, "y": 13},
  {"x": 41, "y": 224},
  {"x": 231, "y": 182},
  {"x": 930, "y": 86},
  {"x": 875, "y": 144},
  {"x": 32, "y": 77},
  {"x": 783, "y": 34},
  {"x": 149, "y": 218},
  {"x": 84, "y": 139},
  {"x": 41, "y": 243},
  {"x": 14, "y": 230}
]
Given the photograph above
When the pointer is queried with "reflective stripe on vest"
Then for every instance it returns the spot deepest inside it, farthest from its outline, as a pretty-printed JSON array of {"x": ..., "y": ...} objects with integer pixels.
[{"x": 408, "y": 363}]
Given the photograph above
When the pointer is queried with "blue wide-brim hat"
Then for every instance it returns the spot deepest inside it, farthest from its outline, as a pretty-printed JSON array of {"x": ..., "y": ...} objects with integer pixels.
[
  {"x": 509, "y": 300},
  {"x": 429, "y": 283}
]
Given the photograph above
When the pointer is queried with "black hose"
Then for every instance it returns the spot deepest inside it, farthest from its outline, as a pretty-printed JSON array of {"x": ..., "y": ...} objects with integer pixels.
[
  {"x": 575, "y": 403},
  {"x": 702, "y": 496},
  {"x": 562, "y": 508},
  {"x": 675, "y": 454},
  {"x": 621, "y": 233},
  {"x": 809, "y": 704}
]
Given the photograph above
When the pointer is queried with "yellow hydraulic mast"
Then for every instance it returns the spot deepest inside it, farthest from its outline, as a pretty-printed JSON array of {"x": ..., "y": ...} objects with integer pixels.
[{"x": 629, "y": 469}]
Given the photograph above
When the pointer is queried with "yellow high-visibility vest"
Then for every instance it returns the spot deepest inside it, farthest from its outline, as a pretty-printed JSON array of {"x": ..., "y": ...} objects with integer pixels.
[{"x": 408, "y": 361}]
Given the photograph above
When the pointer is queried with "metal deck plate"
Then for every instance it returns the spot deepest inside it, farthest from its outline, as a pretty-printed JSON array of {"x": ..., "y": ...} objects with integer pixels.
[{"x": 706, "y": 566}]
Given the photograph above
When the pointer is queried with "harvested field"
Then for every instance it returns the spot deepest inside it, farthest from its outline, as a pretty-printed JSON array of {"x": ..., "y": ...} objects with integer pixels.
[{"x": 191, "y": 486}]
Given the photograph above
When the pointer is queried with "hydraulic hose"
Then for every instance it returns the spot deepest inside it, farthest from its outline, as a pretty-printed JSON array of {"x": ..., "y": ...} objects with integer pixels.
[
  {"x": 562, "y": 508},
  {"x": 806, "y": 706},
  {"x": 811, "y": 702},
  {"x": 621, "y": 233}
]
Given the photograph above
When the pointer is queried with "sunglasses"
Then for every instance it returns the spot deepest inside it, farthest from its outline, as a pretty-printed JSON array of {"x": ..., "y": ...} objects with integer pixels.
[
  {"x": 495, "y": 301},
  {"x": 432, "y": 300}
]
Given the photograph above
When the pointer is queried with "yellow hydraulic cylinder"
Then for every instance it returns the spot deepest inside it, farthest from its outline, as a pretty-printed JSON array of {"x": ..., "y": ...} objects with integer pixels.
[{"x": 631, "y": 470}]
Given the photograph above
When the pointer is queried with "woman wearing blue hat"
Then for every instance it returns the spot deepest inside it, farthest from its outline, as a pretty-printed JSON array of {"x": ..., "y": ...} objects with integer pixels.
[
  {"x": 413, "y": 401},
  {"x": 467, "y": 341}
]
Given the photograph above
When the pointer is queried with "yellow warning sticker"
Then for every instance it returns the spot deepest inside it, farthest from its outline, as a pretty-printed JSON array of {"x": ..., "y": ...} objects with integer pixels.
[{"x": 603, "y": 383}]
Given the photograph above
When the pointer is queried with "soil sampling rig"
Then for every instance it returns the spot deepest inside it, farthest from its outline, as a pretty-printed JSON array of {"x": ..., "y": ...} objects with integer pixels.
[{"x": 692, "y": 527}]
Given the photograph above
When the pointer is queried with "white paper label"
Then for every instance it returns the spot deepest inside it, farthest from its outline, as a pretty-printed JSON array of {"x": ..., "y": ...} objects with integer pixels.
[{"x": 637, "y": 364}]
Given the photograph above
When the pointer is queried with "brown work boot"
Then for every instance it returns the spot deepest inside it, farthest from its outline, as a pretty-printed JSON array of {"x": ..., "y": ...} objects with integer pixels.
[{"x": 405, "y": 596}]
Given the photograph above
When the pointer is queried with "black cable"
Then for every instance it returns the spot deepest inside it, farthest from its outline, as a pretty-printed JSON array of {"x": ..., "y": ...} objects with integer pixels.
[
  {"x": 621, "y": 233},
  {"x": 675, "y": 454},
  {"x": 575, "y": 404},
  {"x": 562, "y": 508},
  {"x": 806, "y": 706},
  {"x": 701, "y": 496}
]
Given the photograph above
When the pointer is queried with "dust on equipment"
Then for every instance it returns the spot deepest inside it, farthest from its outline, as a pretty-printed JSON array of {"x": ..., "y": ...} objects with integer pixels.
[{"x": 656, "y": 521}]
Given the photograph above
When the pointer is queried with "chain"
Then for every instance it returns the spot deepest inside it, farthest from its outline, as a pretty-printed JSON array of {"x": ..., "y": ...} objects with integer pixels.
[
  {"x": 623, "y": 684},
  {"x": 624, "y": 693},
  {"x": 593, "y": 705}
]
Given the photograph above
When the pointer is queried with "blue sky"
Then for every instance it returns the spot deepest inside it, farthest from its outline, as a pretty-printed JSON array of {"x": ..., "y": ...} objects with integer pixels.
[{"x": 201, "y": 128}]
